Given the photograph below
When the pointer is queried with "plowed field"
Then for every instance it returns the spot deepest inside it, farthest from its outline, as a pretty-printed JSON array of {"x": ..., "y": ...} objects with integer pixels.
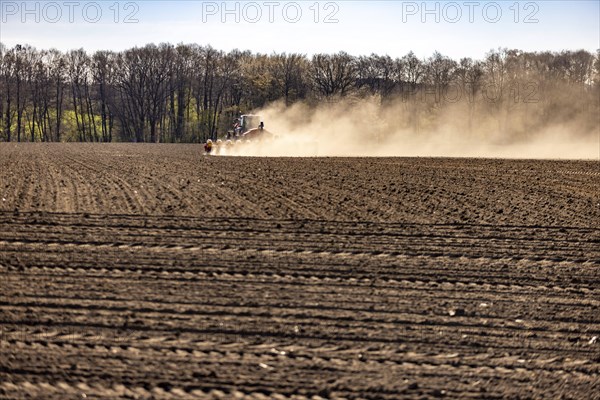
[{"x": 150, "y": 271}]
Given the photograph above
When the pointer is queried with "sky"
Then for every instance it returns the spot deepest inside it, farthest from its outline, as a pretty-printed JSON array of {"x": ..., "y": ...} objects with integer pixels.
[{"x": 454, "y": 28}]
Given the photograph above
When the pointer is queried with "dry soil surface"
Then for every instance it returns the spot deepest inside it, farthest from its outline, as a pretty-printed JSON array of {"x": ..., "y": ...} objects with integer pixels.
[{"x": 151, "y": 271}]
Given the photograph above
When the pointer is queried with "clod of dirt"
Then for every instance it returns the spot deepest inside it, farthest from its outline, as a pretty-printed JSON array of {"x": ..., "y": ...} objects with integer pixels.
[
  {"x": 459, "y": 312},
  {"x": 275, "y": 351}
]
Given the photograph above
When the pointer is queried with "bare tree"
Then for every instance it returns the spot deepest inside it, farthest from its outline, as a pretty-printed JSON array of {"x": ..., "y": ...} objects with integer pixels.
[
  {"x": 380, "y": 74},
  {"x": 333, "y": 74},
  {"x": 78, "y": 73},
  {"x": 20, "y": 79},
  {"x": 103, "y": 73},
  {"x": 158, "y": 63},
  {"x": 288, "y": 71},
  {"x": 470, "y": 80},
  {"x": 7, "y": 72},
  {"x": 413, "y": 71},
  {"x": 131, "y": 83},
  {"x": 57, "y": 79},
  {"x": 180, "y": 90},
  {"x": 439, "y": 73}
]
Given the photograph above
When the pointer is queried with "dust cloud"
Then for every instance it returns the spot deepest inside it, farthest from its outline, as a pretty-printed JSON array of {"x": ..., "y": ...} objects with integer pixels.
[{"x": 366, "y": 127}]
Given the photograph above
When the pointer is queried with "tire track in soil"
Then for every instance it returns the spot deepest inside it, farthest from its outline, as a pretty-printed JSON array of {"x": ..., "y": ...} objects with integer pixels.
[
  {"x": 305, "y": 282},
  {"x": 59, "y": 202},
  {"x": 203, "y": 323},
  {"x": 321, "y": 266},
  {"x": 303, "y": 353},
  {"x": 10, "y": 161},
  {"x": 121, "y": 191},
  {"x": 119, "y": 170},
  {"x": 74, "y": 187},
  {"x": 513, "y": 369},
  {"x": 473, "y": 266},
  {"x": 531, "y": 243},
  {"x": 24, "y": 189}
]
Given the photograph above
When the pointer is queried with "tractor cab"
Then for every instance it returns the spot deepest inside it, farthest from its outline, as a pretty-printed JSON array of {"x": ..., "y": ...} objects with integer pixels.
[{"x": 249, "y": 122}]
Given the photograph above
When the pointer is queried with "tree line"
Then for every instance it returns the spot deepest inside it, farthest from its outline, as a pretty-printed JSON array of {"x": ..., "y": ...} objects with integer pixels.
[{"x": 189, "y": 93}]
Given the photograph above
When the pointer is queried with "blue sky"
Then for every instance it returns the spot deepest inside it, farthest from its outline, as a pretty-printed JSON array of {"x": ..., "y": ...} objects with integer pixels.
[{"x": 457, "y": 29}]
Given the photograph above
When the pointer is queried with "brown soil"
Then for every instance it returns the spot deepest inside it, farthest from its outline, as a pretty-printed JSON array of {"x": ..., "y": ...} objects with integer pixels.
[{"x": 151, "y": 271}]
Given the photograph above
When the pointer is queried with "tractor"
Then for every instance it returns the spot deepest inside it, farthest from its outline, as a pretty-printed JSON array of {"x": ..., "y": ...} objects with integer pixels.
[{"x": 247, "y": 129}]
